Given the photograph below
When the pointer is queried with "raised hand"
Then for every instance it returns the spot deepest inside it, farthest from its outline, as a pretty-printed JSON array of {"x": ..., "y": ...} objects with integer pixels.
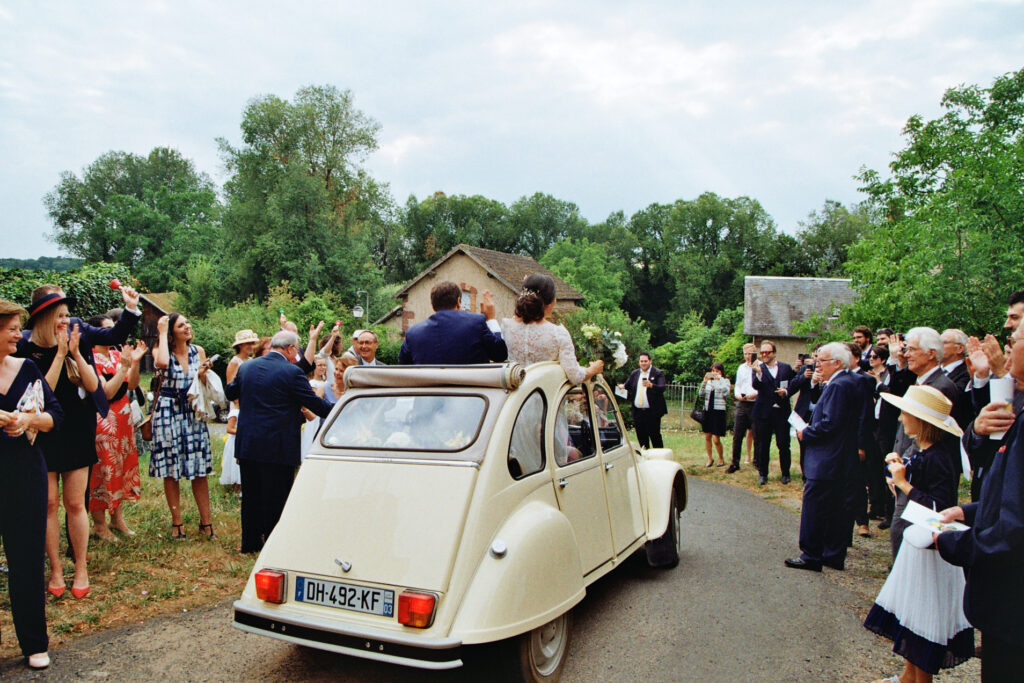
[
  {"x": 161, "y": 325},
  {"x": 73, "y": 340},
  {"x": 62, "y": 343},
  {"x": 487, "y": 305},
  {"x": 139, "y": 351},
  {"x": 994, "y": 354},
  {"x": 131, "y": 297},
  {"x": 314, "y": 330},
  {"x": 127, "y": 355}
]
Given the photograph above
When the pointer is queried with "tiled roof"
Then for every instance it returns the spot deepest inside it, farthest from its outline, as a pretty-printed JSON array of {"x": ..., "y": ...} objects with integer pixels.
[
  {"x": 509, "y": 269},
  {"x": 162, "y": 301},
  {"x": 772, "y": 304}
]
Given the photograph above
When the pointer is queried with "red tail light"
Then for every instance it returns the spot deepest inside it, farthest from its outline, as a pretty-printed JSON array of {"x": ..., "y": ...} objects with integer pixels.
[
  {"x": 416, "y": 609},
  {"x": 271, "y": 585}
]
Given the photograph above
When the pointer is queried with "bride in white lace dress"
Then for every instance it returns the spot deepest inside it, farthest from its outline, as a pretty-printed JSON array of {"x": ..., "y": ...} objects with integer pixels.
[{"x": 531, "y": 338}]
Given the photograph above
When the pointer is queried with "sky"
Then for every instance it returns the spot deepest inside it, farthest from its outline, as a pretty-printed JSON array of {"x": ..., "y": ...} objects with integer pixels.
[{"x": 610, "y": 105}]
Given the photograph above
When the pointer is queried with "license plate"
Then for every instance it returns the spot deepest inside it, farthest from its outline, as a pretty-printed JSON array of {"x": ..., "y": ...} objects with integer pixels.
[{"x": 345, "y": 596}]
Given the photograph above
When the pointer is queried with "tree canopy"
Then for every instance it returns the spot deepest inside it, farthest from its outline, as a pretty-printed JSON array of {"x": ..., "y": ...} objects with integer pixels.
[{"x": 148, "y": 213}]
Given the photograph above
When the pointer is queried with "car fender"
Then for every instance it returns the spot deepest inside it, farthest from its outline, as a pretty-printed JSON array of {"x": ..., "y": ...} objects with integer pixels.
[
  {"x": 660, "y": 477},
  {"x": 536, "y": 578}
]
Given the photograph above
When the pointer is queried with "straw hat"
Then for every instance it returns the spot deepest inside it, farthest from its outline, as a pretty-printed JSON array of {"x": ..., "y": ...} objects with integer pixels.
[
  {"x": 928, "y": 404},
  {"x": 245, "y": 337}
]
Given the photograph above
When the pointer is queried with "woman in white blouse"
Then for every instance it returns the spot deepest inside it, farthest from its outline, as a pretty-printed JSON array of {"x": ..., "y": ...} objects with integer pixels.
[
  {"x": 532, "y": 338},
  {"x": 713, "y": 391}
]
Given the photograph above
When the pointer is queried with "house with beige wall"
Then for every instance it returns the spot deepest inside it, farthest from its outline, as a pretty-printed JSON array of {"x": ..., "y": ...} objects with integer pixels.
[{"x": 474, "y": 269}]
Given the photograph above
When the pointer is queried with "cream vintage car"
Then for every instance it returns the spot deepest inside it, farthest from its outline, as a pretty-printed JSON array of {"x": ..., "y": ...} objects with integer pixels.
[{"x": 443, "y": 508}]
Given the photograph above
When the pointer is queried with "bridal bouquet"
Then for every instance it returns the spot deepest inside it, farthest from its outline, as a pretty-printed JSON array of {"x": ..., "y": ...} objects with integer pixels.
[{"x": 605, "y": 345}]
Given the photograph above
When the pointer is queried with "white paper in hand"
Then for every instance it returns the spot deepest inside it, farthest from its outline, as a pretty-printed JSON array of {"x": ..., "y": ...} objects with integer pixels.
[{"x": 798, "y": 422}]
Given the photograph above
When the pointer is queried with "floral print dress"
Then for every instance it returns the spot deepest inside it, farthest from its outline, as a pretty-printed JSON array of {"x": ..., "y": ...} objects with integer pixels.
[{"x": 115, "y": 478}]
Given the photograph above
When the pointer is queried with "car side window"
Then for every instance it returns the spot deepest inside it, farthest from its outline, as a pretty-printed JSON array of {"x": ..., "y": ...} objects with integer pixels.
[
  {"x": 574, "y": 432},
  {"x": 609, "y": 429},
  {"x": 526, "y": 444}
]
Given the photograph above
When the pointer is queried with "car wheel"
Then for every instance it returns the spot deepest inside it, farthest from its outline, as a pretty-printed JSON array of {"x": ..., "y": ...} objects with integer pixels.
[
  {"x": 664, "y": 551},
  {"x": 540, "y": 654}
]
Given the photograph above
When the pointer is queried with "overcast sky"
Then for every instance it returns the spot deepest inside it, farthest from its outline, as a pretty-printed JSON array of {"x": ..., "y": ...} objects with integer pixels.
[{"x": 611, "y": 105}]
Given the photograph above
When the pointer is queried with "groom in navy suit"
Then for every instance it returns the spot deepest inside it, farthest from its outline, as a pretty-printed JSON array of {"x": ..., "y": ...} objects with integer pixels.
[
  {"x": 451, "y": 336},
  {"x": 830, "y": 453}
]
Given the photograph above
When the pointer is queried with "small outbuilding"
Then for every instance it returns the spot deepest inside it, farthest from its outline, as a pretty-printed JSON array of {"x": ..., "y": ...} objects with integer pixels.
[
  {"x": 474, "y": 269},
  {"x": 772, "y": 305}
]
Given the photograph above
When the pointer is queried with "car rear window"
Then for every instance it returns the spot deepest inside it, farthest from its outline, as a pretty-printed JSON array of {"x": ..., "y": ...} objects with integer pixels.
[{"x": 424, "y": 422}]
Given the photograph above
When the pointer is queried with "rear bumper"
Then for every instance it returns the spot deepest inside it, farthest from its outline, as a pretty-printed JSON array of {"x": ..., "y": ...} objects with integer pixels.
[{"x": 384, "y": 646}]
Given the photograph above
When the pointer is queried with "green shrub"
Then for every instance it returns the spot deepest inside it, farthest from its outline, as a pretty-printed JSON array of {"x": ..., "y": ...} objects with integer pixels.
[{"x": 90, "y": 285}]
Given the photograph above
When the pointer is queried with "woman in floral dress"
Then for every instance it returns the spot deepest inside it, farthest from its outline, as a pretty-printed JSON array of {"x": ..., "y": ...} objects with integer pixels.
[
  {"x": 181, "y": 443},
  {"x": 115, "y": 478}
]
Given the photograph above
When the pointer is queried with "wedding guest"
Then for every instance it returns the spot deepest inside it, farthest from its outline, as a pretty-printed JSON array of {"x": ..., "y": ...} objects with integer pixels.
[
  {"x": 115, "y": 479},
  {"x": 181, "y": 443},
  {"x": 244, "y": 345},
  {"x": 317, "y": 382},
  {"x": 335, "y": 388},
  {"x": 532, "y": 338},
  {"x": 645, "y": 392},
  {"x": 919, "y": 606},
  {"x": 745, "y": 395},
  {"x": 713, "y": 391},
  {"x": 23, "y": 487}
]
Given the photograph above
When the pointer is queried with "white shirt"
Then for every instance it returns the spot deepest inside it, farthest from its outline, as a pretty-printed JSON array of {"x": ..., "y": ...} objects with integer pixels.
[
  {"x": 641, "y": 391},
  {"x": 922, "y": 378},
  {"x": 744, "y": 382},
  {"x": 952, "y": 366}
]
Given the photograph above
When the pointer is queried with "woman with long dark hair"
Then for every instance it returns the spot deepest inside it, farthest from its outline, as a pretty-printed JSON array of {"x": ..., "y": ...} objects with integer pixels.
[
  {"x": 181, "y": 443},
  {"x": 24, "y": 485},
  {"x": 713, "y": 392},
  {"x": 532, "y": 338}
]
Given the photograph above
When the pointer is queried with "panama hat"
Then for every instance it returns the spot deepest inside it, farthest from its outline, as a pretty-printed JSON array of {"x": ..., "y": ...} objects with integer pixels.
[
  {"x": 245, "y": 337},
  {"x": 928, "y": 404},
  {"x": 45, "y": 303}
]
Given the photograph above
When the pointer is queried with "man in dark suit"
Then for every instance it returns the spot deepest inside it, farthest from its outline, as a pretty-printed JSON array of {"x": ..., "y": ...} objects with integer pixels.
[
  {"x": 451, "y": 336},
  {"x": 771, "y": 412},
  {"x": 645, "y": 389},
  {"x": 855, "y": 494},
  {"x": 862, "y": 338},
  {"x": 992, "y": 550},
  {"x": 271, "y": 391},
  {"x": 807, "y": 391},
  {"x": 921, "y": 355},
  {"x": 830, "y": 443}
]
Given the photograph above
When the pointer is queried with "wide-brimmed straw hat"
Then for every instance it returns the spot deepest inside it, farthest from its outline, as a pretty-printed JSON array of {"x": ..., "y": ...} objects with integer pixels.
[
  {"x": 45, "y": 303},
  {"x": 245, "y": 337},
  {"x": 928, "y": 404}
]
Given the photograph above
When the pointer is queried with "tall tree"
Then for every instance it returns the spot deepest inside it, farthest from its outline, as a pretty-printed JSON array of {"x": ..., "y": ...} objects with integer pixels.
[
  {"x": 299, "y": 206},
  {"x": 590, "y": 269},
  {"x": 541, "y": 220},
  {"x": 824, "y": 239},
  {"x": 946, "y": 249},
  {"x": 438, "y": 223},
  {"x": 148, "y": 213}
]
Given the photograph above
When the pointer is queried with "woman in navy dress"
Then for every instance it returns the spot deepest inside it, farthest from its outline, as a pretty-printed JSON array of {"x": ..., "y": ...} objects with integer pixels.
[{"x": 23, "y": 487}]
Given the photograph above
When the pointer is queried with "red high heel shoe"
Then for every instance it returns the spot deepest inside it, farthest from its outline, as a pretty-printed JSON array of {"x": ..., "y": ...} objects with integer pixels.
[
  {"x": 55, "y": 592},
  {"x": 79, "y": 593}
]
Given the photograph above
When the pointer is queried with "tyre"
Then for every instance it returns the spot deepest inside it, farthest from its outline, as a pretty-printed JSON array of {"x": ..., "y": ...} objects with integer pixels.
[
  {"x": 664, "y": 551},
  {"x": 538, "y": 656}
]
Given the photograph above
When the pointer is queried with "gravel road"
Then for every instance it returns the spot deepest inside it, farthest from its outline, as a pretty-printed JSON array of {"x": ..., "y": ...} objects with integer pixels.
[{"x": 730, "y": 611}]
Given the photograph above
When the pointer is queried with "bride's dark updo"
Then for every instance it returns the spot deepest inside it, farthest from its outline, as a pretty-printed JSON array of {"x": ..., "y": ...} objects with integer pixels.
[{"x": 538, "y": 291}]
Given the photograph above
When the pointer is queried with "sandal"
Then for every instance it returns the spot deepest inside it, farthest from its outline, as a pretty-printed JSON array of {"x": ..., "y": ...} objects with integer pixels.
[
  {"x": 178, "y": 532},
  {"x": 209, "y": 534}
]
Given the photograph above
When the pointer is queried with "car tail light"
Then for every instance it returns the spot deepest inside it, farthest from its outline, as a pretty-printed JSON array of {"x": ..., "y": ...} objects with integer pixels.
[
  {"x": 270, "y": 585},
  {"x": 416, "y": 609}
]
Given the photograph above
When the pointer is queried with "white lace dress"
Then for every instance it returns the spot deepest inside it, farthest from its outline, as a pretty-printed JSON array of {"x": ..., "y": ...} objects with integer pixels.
[{"x": 530, "y": 343}]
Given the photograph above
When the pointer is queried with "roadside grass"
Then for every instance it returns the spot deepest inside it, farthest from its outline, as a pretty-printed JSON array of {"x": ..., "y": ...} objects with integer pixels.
[{"x": 149, "y": 574}]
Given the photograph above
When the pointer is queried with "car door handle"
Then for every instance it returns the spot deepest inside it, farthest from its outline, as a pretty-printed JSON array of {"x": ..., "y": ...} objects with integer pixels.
[
  {"x": 562, "y": 483},
  {"x": 609, "y": 466}
]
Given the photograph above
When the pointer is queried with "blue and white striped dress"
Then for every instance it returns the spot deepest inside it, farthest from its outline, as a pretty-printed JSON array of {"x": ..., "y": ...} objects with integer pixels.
[{"x": 181, "y": 443}]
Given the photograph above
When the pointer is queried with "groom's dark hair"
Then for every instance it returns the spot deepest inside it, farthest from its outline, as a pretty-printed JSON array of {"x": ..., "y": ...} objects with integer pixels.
[{"x": 445, "y": 296}]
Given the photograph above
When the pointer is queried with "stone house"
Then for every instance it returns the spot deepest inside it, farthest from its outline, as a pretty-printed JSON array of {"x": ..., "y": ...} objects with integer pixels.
[
  {"x": 771, "y": 305},
  {"x": 474, "y": 269}
]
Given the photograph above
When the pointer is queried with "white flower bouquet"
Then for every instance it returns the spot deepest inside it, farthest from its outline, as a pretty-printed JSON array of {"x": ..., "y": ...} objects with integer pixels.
[{"x": 605, "y": 345}]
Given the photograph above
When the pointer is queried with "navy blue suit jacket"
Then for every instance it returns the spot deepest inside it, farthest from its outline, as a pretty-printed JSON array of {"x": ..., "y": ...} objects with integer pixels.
[
  {"x": 452, "y": 337},
  {"x": 766, "y": 386},
  {"x": 830, "y": 440},
  {"x": 271, "y": 390},
  {"x": 808, "y": 395},
  {"x": 866, "y": 406},
  {"x": 992, "y": 550}
]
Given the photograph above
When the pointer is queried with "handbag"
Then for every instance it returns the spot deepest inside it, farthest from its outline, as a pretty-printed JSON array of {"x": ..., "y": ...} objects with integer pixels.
[
  {"x": 697, "y": 414},
  {"x": 71, "y": 367}
]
